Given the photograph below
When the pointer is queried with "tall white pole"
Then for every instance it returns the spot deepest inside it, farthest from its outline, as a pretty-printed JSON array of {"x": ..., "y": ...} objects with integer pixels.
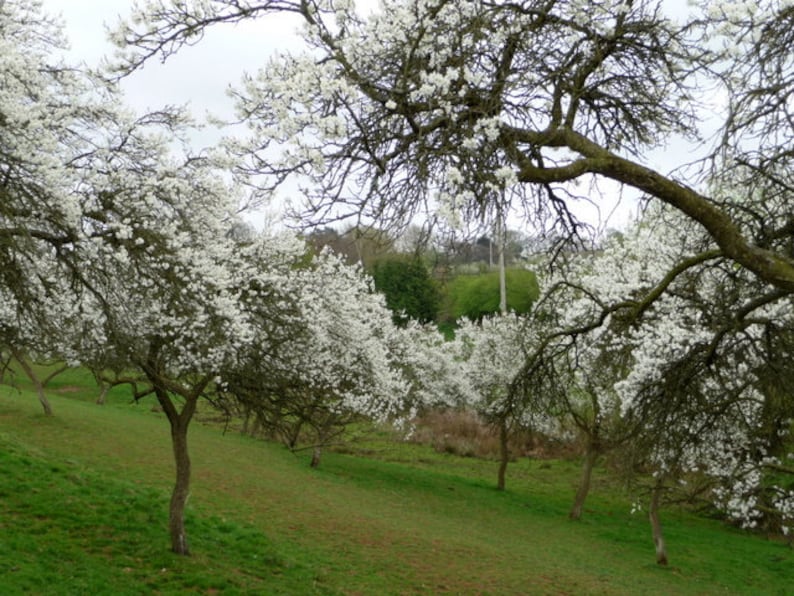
[{"x": 500, "y": 238}]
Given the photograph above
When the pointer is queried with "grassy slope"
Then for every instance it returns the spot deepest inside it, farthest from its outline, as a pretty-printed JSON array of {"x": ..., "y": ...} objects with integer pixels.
[{"x": 83, "y": 501}]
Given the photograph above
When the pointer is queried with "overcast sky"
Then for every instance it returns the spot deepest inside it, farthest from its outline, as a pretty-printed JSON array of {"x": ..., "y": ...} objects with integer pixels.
[
  {"x": 197, "y": 75},
  {"x": 200, "y": 75}
]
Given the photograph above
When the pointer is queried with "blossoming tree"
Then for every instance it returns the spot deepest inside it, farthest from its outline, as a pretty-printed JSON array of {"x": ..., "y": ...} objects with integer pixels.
[
  {"x": 452, "y": 100},
  {"x": 683, "y": 347},
  {"x": 45, "y": 108},
  {"x": 324, "y": 358}
]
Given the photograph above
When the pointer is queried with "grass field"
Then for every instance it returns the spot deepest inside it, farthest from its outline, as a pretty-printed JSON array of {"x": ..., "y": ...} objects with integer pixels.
[{"x": 83, "y": 510}]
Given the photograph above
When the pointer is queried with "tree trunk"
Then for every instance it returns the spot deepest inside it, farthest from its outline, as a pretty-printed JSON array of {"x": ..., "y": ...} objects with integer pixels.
[
  {"x": 323, "y": 437},
  {"x": 163, "y": 388},
  {"x": 176, "y": 514},
  {"x": 317, "y": 453},
  {"x": 5, "y": 363},
  {"x": 656, "y": 526},
  {"x": 584, "y": 482},
  {"x": 504, "y": 455},
  {"x": 246, "y": 421},
  {"x": 180, "y": 422},
  {"x": 103, "y": 393},
  {"x": 35, "y": 380}
]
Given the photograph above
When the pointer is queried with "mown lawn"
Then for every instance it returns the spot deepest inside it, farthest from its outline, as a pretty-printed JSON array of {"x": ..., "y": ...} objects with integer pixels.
[{"x": 83, "y": 508}]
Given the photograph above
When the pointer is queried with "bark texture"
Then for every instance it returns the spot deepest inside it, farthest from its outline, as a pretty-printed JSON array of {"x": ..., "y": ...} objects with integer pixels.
[
  {"x": 504, "y": 455},
  {"x": 45, "y": 403},
  {"x": 656, "y": 525},
  {"x": 584, "y": 482},
  {"x": 179, "y": 422},
  {"x": 317, "y": 453}
]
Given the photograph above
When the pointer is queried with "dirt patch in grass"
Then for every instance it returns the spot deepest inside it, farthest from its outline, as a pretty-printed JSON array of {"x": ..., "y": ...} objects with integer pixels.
[{"x": 66, "y": 389}]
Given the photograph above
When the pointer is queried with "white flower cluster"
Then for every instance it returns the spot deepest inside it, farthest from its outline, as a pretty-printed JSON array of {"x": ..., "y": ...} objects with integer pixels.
[
  {"x": 684, "y": 365},
  {"x": 475, "y": 369},
  {"x": 351, "y": 341},
  {"x": 149, "y": 272}
]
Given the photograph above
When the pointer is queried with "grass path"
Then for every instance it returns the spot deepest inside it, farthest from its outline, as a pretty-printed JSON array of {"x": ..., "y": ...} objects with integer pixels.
[{"x": 261, "y": 521}]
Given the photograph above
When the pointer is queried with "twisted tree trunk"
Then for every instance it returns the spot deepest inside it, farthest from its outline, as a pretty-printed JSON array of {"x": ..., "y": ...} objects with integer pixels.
[
  {"x": 656, "y": 526},
  {"x": 103, "y": 393},
  {"x": 504, "y": 454},
  {"x": 45, "y": 403},
  {"x": 180, "y": 422},
  {"x": 584, "y": 483},
  {"x": 317, "y": 453}
]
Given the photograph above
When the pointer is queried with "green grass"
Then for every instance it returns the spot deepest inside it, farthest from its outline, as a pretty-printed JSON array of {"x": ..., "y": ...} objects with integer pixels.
[{"x": 83, "y": 510}]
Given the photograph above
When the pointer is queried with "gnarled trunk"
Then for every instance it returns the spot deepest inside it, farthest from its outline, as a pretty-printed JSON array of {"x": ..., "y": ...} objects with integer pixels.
[
  {"x": 317, "y": 453},
  {"x": 45, "y": 403},
  {"x": 176, "y": 512},
  {"x": 323, "y": 438},
  {"x": 180, "y": 422},
  {"x": 504, "y": 455},
  {"x": 656, "y": 526},
  {"x": 584, "y": 482},
  {"x": 103, "y": 393}
]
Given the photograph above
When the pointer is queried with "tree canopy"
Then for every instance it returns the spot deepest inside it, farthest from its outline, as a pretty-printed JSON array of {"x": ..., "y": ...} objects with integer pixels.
[
  {"x": 452, "y": 101},
  {"x": 409, "y": 290}
]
